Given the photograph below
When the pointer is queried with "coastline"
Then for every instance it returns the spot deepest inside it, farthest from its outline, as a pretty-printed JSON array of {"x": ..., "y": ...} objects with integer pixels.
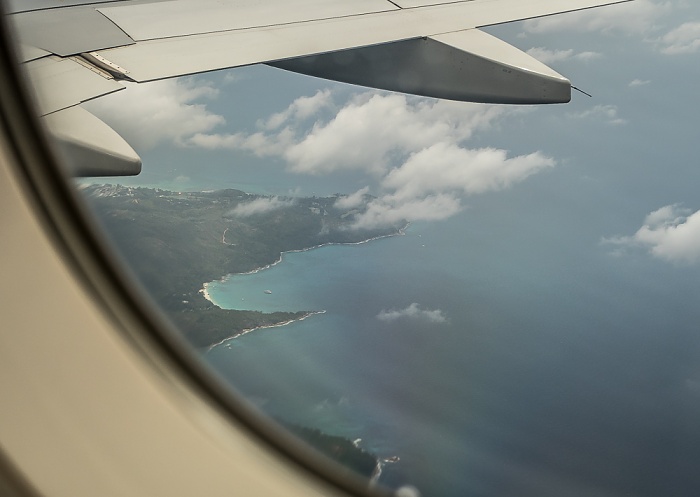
[
  {"x": 276, "y": 325},
  {"x": 204, "y": 291},
  {"x": 205, "y": 286}
]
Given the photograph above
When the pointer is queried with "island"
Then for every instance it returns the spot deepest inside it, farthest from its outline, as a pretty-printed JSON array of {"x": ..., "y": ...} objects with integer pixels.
[{"x": 176, "y": 242}]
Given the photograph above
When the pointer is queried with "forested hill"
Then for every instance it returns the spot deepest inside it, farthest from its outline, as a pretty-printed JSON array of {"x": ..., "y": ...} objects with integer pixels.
[{"x": 177, "y": 241}]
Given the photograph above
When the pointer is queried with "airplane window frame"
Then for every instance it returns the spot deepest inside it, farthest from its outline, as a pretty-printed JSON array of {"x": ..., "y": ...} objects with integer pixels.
[{"x": 85, "y": 251}]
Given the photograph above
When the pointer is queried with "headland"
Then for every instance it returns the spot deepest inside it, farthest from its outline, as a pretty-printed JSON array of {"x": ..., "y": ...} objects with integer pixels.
[{"x": 177, "y": 242}]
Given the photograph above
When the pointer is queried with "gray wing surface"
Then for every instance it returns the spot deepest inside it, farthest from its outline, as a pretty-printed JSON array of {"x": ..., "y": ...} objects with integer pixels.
[{"x": 77, "y": 51}]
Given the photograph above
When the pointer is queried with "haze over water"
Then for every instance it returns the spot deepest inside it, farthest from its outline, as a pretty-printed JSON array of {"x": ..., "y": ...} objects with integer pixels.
[{"x": 554, "y": 374}]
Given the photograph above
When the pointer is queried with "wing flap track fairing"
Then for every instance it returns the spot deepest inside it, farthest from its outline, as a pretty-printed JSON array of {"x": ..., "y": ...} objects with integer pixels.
[{"x": 467, "y": 65}]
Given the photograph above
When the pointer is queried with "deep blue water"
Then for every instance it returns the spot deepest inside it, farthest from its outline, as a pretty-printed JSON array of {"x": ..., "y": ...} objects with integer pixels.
[{"x": 559, "y": 370}]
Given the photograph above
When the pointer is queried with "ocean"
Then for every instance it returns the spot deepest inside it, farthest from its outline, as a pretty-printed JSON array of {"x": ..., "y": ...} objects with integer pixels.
[
  {"x": 505, "y": 351},
  {"x": 488, "y": 368}
]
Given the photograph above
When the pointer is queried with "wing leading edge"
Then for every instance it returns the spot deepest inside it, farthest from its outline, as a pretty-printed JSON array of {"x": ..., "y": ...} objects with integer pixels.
[{"x": 412, "y": 46}]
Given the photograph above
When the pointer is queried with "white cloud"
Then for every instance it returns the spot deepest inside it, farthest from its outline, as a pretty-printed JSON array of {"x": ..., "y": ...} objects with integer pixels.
[
  {"x": 414, "y": 149},
  {"x": 547, "y": 56},
  {"x": 389, "y": 210},
  {"x": 586, "y": 56},
  {"x": 638, "y": 17},
  {"x": 301, "y": 108},
  {"x": 260, "y": 205},
  {"x": 259, "y": 143},
  {"x": 353, "y": 200},
  {"x": 638, "y": 82},
  {"x": 368, "y": 133},
  {"x": 413, "y": 311},
  {"x": 684, "y": 39},
  {"x": 429, "y": 185},
  {"x": 446, "y": 167},
  {"x": 671, "y": 233},
  {"x": 150, "y": 113},
  {"x": 606, "y": 113},
  {"x": 373, "y": 129},
  {"x": 645, "y": 18}
]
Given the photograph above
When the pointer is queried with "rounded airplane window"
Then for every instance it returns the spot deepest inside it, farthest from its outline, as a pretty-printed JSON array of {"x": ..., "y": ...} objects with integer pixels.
[{"x": 416, "y": 265}]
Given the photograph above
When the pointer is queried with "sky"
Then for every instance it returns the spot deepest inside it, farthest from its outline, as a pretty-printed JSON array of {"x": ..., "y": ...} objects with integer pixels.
[{"x": 427, "y": 159}]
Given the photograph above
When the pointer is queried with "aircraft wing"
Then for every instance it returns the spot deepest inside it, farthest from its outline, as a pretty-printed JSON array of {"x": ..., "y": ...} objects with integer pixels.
[{"x": 78, "y": 50}]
